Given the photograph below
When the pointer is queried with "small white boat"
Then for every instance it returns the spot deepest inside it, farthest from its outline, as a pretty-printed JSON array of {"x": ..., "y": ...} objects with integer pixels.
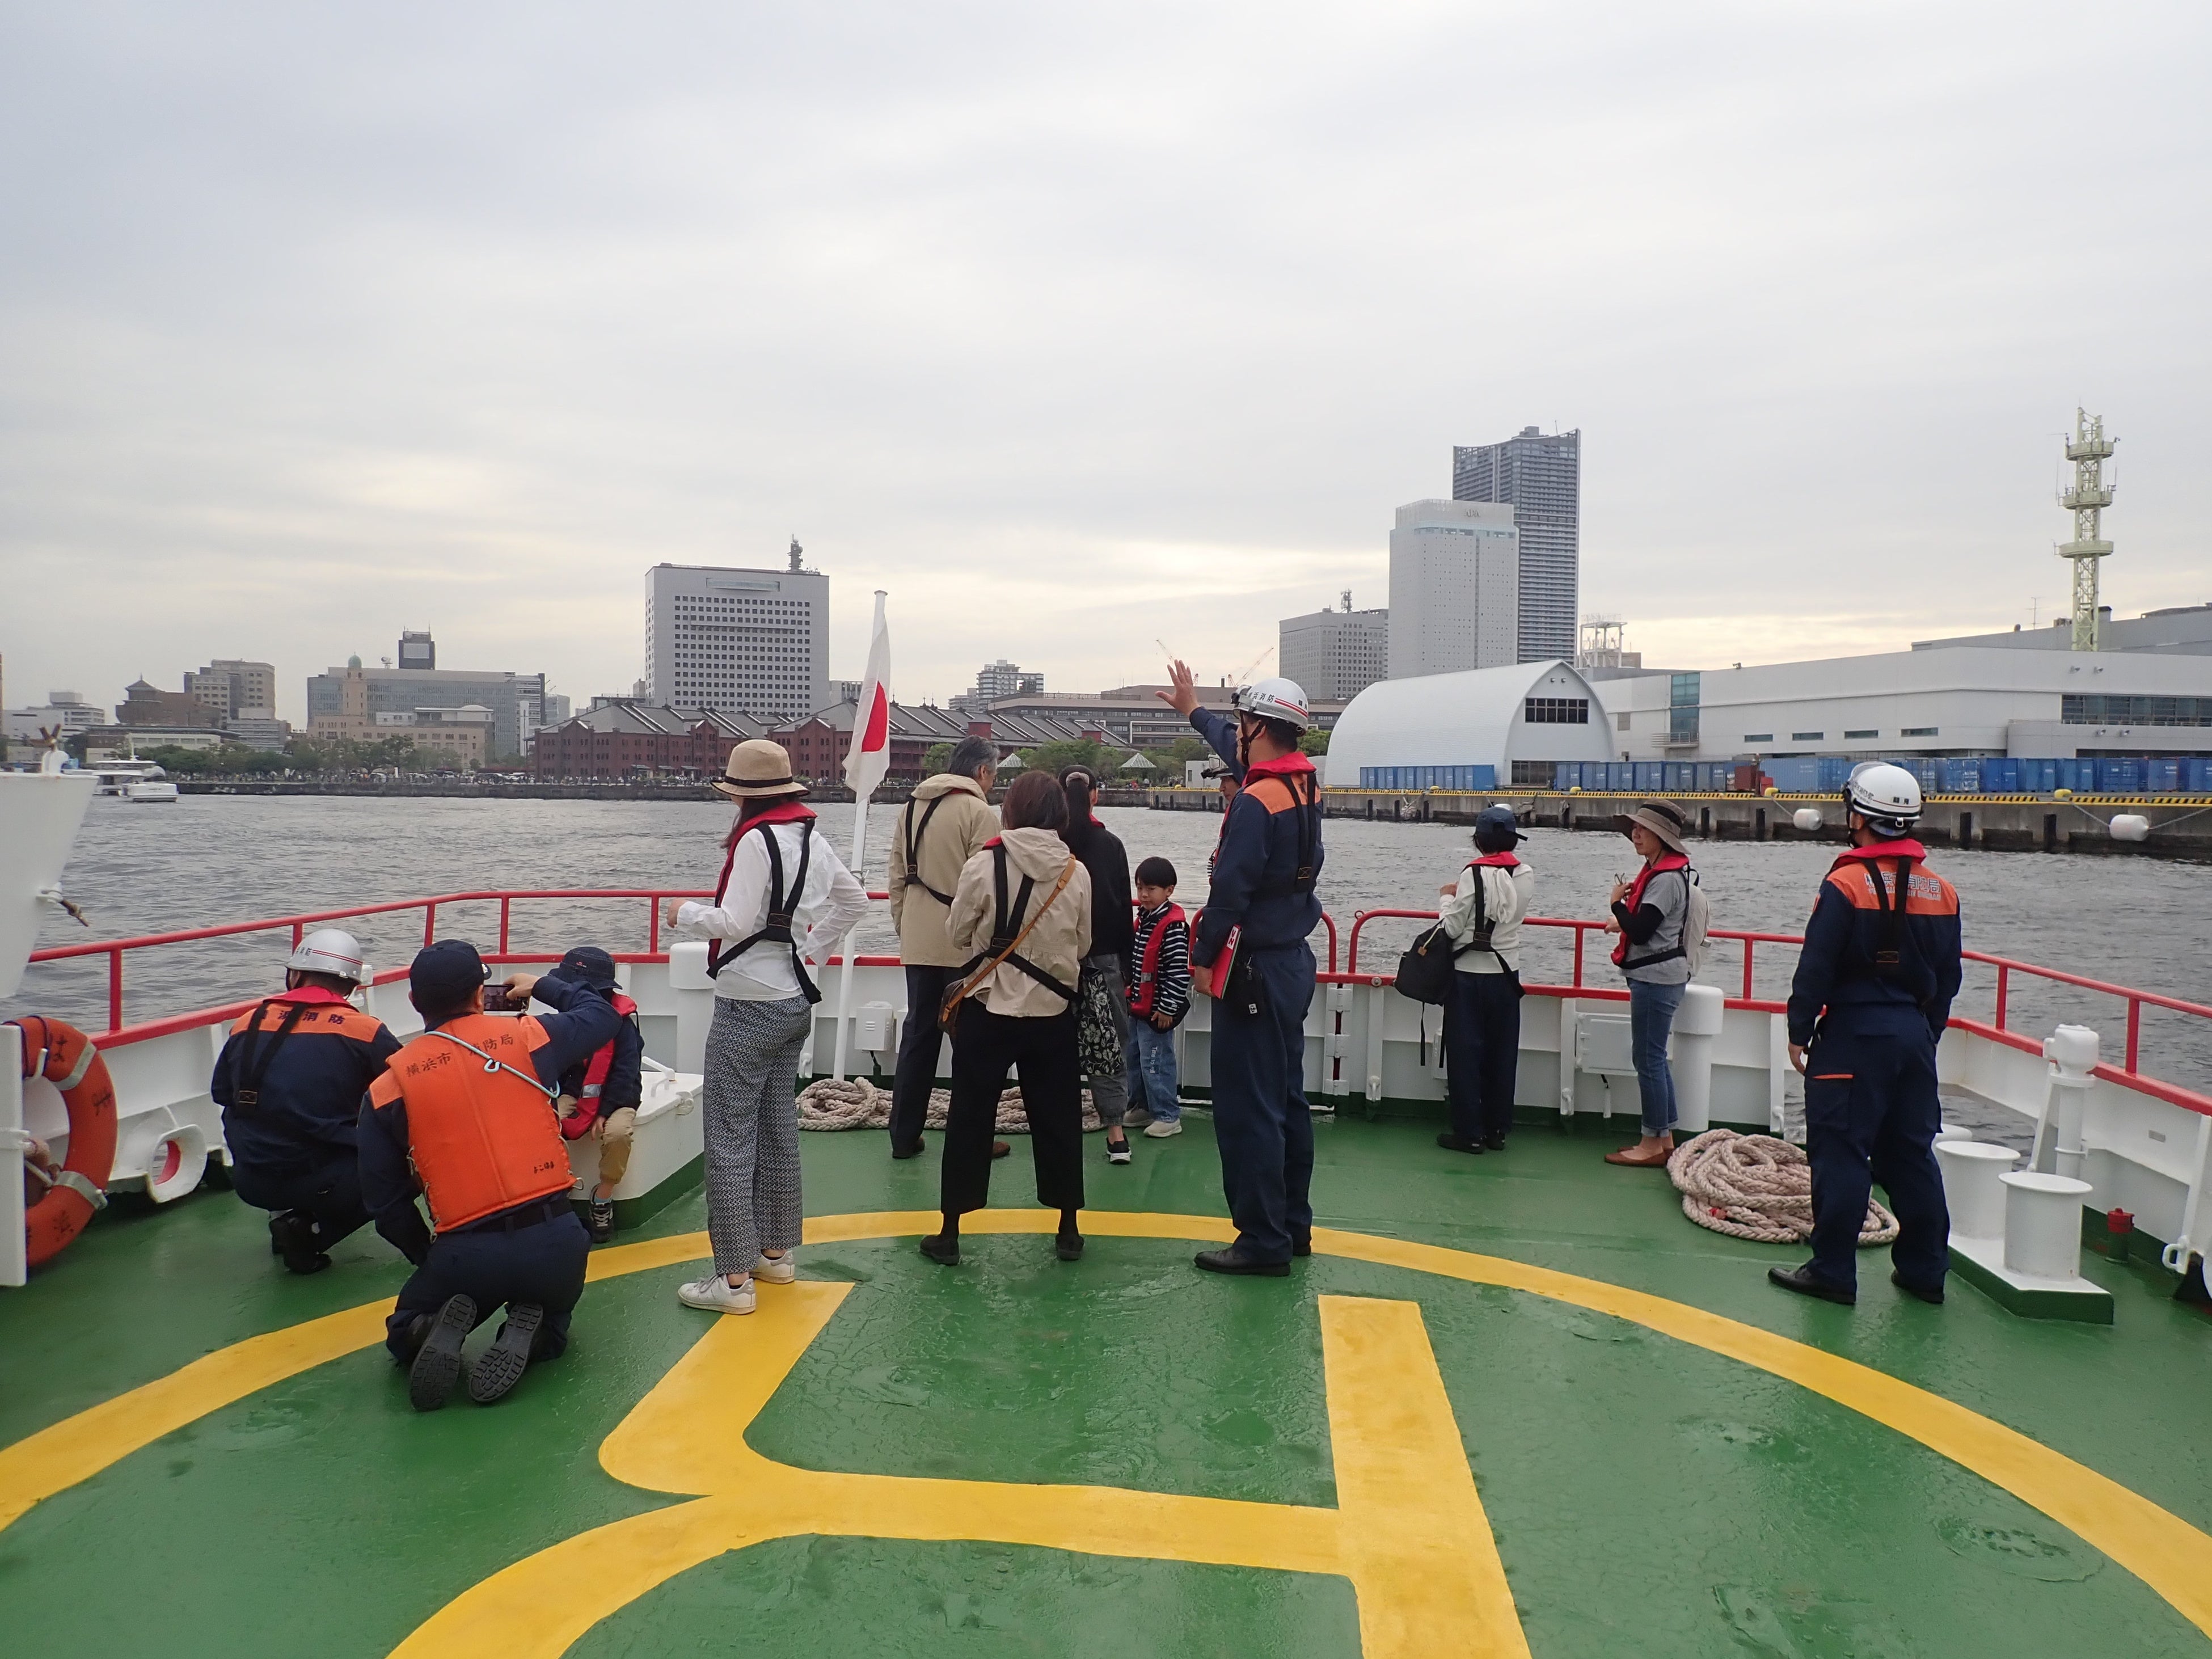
[
  {"x": 119, "y": 775},
  {"x": 149, "y": 789}
]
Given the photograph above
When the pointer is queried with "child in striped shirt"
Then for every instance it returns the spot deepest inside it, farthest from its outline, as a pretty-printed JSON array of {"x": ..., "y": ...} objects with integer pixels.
[{"x": 1158, "y": 980}]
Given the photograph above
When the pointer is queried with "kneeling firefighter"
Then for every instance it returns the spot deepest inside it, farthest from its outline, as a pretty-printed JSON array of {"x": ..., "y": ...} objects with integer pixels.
[
  {"x": 465, "y": 1113},
  {"x": 1250, "y": 954},
  {"x": 601, "y": 1096},
  {"x": 290, "y": 1082},
  {"x": 1869, "y": 1003}
]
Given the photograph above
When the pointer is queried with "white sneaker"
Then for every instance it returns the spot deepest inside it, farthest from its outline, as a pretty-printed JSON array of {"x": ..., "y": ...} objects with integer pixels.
[
  {"x": 1158, "y": 1129},
  {"x": 776, "y": 1269},
  {"x": 715, "y": 1294}
]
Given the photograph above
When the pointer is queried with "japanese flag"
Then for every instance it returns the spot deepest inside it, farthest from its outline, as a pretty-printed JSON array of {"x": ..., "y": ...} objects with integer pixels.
[{"x": 870, "y": 756}]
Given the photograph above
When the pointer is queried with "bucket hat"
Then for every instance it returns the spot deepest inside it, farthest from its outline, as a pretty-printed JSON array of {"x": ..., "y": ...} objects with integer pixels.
[
  {"x": 1662, "y": 818},
  {"x": 759, "y": 768}
]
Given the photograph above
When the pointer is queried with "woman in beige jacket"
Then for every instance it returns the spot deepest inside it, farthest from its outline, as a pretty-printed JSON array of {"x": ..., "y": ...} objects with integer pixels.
[{"x": 1020, "y": 1014}]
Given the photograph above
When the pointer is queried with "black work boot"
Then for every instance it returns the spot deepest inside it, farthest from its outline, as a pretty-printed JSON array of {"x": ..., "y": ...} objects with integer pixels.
[
  {"x": 437, "y": 1365},
  {"x": 500, "y": 1366},
  {"x": 1802, "y": 1280}
]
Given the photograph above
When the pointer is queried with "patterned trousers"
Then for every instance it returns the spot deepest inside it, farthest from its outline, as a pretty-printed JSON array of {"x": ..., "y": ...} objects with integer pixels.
[{"x": 750, "y": 1120}]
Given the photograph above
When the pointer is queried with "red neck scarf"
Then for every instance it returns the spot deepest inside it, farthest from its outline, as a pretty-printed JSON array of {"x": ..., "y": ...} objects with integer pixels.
[
  {"x": 1495, "y": 861},
  {"x": 311, "y": 996},
  {"x": 1907, "y": 848},
  {"x": 1289, "y": 766}
]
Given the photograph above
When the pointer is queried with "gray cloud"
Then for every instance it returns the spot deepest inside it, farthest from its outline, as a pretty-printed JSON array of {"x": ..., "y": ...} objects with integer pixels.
[{"x": 1072, "y": 328}]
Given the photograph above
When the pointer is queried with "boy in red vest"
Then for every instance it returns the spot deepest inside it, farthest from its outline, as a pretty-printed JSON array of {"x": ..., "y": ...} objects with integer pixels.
[
  {"x": 464, "y": 1115},
  {"x": 601, "y": 1096},
  {"x": 1159, "y": 983}
]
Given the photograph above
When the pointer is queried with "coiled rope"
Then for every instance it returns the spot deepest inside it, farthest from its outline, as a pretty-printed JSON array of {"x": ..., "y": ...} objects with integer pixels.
[
  {"x": 1757, "y": 1188},
  {"x": 857, "y": 1104}
]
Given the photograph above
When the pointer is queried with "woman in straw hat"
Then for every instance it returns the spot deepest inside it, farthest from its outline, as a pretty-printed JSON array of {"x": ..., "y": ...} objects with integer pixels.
[
  {"x": 1649, "y": 911},
  {"x": 785, "y": 899}
]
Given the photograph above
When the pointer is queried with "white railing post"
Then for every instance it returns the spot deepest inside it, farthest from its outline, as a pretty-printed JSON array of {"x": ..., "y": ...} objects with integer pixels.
[{"x": 14, "y": 1266}]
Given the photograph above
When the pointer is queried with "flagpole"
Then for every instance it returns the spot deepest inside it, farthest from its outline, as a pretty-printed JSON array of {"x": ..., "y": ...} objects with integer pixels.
[{"x": 861, "y": 710}]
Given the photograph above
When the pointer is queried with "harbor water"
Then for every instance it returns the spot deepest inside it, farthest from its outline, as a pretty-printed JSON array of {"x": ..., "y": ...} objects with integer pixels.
[{"x": 208, "y": 861}]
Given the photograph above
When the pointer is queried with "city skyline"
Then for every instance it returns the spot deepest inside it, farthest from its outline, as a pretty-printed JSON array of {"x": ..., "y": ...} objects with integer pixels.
[{"x": 307, "y": 343}]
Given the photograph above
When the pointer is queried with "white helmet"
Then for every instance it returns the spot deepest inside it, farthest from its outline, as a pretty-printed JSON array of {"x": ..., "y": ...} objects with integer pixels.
[
  {"x": 1277, "y": 699},
  {"x": 1887, "y": 796},
  {"x": 330, "y": 950}
]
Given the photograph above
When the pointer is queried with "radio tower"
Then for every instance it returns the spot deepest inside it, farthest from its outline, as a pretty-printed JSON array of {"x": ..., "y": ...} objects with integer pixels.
[{"x": 2087, "y": 500}]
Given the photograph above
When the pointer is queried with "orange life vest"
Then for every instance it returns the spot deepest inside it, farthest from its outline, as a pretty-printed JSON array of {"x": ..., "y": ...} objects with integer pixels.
[{"x": 481, "y": 1130}]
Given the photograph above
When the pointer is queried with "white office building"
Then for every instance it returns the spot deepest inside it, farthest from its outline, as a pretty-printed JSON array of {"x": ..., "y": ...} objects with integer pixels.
[
  {"x": 1454, "y": 588},
  {"x": 1335, "y": 653},
  {"x": 754, "y": 640},
  {"x": 1932, "y": 701}
]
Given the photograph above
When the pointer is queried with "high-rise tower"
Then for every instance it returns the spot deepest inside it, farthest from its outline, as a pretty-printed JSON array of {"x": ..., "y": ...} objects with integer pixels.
[
  {"x": 2086, "y": 501},
  {"x": 1541, "y": 477}
]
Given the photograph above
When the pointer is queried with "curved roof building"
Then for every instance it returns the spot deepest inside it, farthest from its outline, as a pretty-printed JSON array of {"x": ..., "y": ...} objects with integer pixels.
[{"x": 1486, "y": 728}]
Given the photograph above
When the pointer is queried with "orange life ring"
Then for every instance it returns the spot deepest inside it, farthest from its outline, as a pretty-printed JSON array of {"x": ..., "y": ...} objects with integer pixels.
[{"x": 64, "y": 1056}]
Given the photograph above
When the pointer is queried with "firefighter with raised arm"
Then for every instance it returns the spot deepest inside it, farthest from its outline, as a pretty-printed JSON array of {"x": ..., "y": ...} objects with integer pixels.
[
  {"x": 1871, "y": 997},
  {"x": 1249, "y": 953}
]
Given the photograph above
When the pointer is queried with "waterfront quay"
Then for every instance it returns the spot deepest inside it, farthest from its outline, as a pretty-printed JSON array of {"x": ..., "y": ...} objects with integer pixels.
[{"x": 2180, "y": 826}]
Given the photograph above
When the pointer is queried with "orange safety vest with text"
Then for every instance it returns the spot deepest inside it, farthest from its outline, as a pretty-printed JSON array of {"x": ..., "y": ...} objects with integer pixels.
[{"x": 481, "y": 1130}]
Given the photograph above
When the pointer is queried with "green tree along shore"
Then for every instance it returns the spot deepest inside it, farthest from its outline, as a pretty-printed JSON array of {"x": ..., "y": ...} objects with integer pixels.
[{"x": 300, "y": 754}]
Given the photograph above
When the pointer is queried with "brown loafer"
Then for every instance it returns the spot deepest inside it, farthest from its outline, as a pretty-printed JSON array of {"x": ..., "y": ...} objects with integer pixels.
[
  {"x": 999, "y": 1149},
  {"x": 1635, "y": 1160}
]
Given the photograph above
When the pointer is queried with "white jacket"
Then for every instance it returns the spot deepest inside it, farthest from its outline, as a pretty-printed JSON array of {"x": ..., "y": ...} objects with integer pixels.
[
  {"x": 1506, "y": 895},
  {"x": 827, "y": 910}
]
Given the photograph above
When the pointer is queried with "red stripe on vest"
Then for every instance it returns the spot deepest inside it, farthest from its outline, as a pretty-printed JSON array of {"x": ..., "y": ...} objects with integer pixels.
[{"x": 576, "y": 1125}]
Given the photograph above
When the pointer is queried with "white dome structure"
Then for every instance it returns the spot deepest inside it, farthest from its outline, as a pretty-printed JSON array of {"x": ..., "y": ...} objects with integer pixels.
[{"x": 1466, "y": 731}]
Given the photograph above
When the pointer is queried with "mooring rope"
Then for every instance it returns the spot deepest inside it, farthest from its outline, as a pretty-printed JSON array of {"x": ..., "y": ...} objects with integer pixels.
[
  {"x": 1757, "y": 1188},
  {"x": 857, "y": 1104}
]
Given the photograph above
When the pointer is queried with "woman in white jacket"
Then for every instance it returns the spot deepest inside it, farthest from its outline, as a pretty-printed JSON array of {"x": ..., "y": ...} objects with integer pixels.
[
  {"x": 1481, "y": 916},
  {"x": 785, "y": 899}
]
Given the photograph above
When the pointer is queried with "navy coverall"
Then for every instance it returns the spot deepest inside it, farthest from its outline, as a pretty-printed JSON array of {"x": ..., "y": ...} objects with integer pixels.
[
  {"x": 290, "y": 1082},
  {"x": 1261, "y": 1118},
  {"x": 1871, "y": 997},
  {"x": 534, "y": 1252}
]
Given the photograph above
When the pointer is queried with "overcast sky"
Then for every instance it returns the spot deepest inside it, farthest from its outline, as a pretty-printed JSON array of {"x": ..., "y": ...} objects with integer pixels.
[{"x": 1073, "y": 327}]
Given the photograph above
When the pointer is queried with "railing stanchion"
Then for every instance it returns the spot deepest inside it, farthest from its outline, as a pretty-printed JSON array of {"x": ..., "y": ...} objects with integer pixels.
[
  {"x": 115, "y": 989},
  {"x": 506, "y": 904},
  {"x": 653, "y": 925},
  {"x": 1746, "y": 969},
  {"x": 1579, "y": 932},
  {"x": 2135, "y": 1028},
  {"x": 2004, "y": 980},
  {"x": 429, "y": 924}
]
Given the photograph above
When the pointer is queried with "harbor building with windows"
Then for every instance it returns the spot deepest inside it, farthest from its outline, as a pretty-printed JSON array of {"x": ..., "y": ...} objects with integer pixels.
[
  {"x": 1334, "y": 654},
  {"x": 1488, "y": 728},
  {"x": 1540, "y": 476},
  {"x": 748, "y": 639},
  {"x": 1454, "y": 589}
]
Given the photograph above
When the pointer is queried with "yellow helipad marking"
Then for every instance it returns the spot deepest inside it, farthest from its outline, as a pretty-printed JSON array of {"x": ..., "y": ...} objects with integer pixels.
[
  {"x": 2167, "y": 1553},
  {"x": 1409, "y": 1532}
]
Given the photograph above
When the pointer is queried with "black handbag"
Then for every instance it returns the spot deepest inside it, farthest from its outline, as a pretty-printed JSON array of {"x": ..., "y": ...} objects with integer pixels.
[{"x": 1425, "y": 972}]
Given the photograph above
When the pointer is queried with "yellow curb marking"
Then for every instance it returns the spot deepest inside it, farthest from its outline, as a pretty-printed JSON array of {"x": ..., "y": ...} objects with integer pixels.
[{"x": 2173, "y": 1558}]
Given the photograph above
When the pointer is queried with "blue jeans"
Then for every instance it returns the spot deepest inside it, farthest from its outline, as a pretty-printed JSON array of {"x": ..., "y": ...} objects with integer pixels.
[
  {"x": 1153, "y": 1080},
  {"x": 1650, "y": 1021}
]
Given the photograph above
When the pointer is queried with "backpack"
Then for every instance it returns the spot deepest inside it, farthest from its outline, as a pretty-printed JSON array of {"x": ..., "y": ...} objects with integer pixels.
[{"x": 1697, "y": 922}]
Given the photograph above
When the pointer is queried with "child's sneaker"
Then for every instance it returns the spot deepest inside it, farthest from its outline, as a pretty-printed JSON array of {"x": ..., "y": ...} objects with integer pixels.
[
  {"x": 1161, "y": 1128},
  {"x": 715, "y": 1294},
  {"x": 1117, "y": 1151},
  {"x": 776, "y": 1269}
]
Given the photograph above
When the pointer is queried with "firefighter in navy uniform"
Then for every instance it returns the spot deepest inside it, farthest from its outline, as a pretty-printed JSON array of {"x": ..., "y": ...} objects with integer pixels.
[
  {"x": 465, "y": 1113},
  {"x": 1249, "y": 952},
  {"x": 290, "y": 1082},
  {"x": 1869, "y": 1003}
]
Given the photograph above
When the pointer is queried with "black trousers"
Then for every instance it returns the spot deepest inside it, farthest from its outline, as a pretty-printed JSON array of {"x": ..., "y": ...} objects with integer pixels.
[
  {"x": 326, "y": 1189},
  {"x": 1482, "y": 1051},
  {"x": 543, "y": 1263},
  {"x": 1263, "y": 1123},
  {"x": 919, "y": 1044},
  {"x": 1042, "y": 1054},
  {"x": 1871, "y": 1115}
]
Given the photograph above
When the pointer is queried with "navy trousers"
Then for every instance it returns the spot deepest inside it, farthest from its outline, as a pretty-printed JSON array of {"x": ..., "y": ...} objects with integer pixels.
[
  {"x": 1482, "y": 1051},
  {"x": 1261, "y": 1122},
  {"x": 326, "y": 1189},
  {"x": 1871, "y": 1115},
  {"x": 543, "y": 1263},
  {"x": 919, "y": 1044}
]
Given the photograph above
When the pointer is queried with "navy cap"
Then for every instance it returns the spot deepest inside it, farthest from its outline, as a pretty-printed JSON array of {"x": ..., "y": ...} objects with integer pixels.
[
  {"x": 589, "y": 964},
  {"x": 1495, "y": 829},
  {"x": 444, "y": 974}
]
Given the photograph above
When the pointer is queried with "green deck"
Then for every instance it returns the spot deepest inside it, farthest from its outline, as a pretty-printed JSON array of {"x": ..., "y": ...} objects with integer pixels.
[{"x": 1647, "y": 1497}]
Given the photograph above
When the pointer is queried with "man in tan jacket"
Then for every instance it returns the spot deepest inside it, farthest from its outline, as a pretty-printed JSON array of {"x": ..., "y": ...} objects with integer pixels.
[{"x": 940, "y": 829}]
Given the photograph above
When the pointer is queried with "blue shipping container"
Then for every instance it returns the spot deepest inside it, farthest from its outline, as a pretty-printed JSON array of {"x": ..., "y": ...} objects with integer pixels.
[
  {"x": 2161, "y": 777},
  {"x": 1650, "y": 775},
  {"x": 2119, "y": 777},
  {"x": 2197, "y": 775}
]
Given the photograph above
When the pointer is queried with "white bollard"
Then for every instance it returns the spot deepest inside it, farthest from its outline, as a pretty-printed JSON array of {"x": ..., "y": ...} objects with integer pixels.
[
  {"x": 1953, "y": 1131},
  {"x": 1690, "y": 1056},
  {"x": 2129, "y": 826},
  {"x": 2072, "y": 1052},
  {"x": 695, "y": 1002},
  {"x": 1971, "y": 1171},
  {"x": 2043, "y": 1224}
]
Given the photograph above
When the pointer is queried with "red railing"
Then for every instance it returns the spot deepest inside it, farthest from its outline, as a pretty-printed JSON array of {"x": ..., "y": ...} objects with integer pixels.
[{"x": 2126, "y": 1074}]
